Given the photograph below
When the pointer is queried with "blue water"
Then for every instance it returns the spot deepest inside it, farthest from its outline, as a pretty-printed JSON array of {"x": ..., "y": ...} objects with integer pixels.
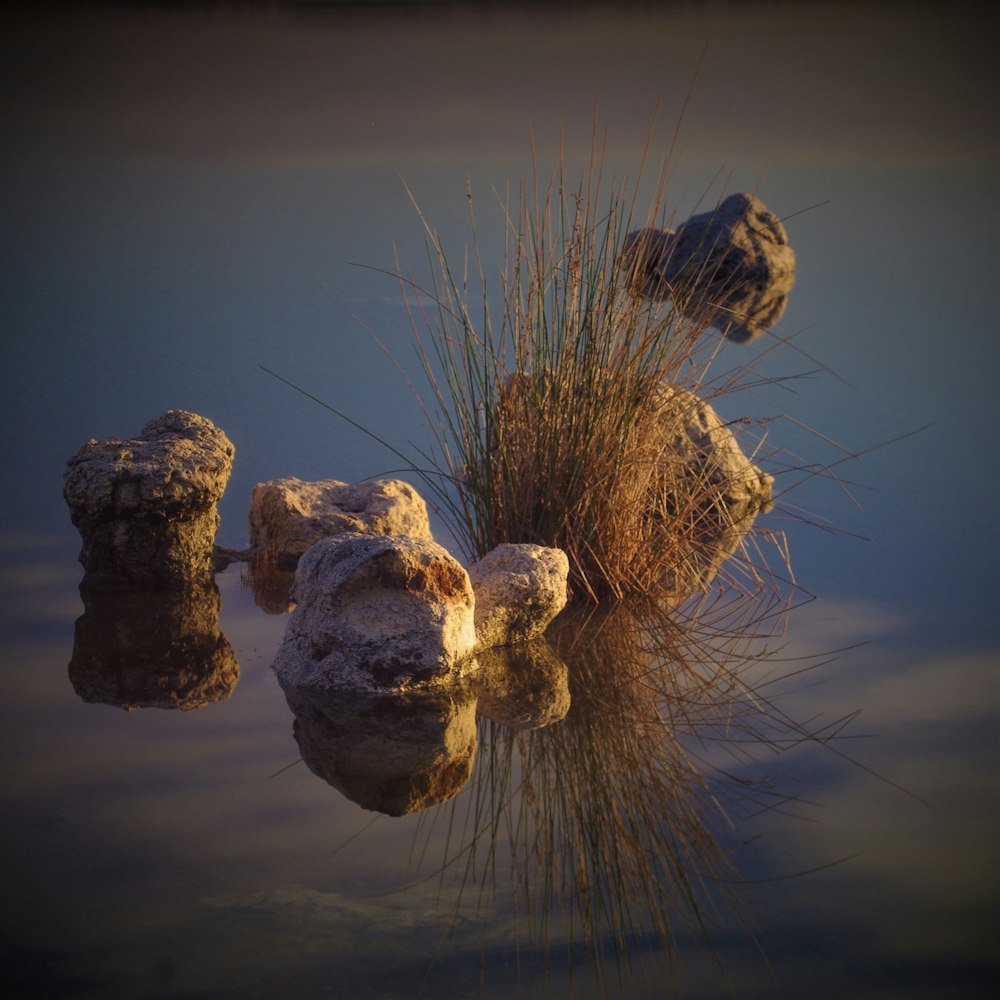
[{"x": 186, "y": 198}]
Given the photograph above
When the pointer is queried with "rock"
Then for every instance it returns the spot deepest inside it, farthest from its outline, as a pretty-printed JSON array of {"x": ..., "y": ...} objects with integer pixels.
[
  {"x": 152, "y": 649},
  {"x": 731, "y": 267},
  {"x": 377, "y": 612},
  {"x": 287, "y": 516},
  {"x": 391, "y": 754},
  {"x": 523, "y": 686},
  {"x": 695, "y": 436},
  {"x": 519, "y": 589},
  {"x": 146, "y": 507},
  {"x": 708, "y": 487}
]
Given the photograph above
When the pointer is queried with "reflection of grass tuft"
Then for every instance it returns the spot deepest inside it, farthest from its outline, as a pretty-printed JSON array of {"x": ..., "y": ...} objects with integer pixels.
[{"x": 603, "y": 833}]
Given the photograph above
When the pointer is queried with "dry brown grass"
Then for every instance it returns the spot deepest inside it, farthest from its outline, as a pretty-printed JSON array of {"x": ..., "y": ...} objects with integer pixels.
[{"x": 547, "y": 405}]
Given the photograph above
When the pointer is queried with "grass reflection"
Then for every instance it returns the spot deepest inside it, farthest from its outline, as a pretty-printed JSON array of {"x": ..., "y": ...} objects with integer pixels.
[{"x": 603, "y": 831}]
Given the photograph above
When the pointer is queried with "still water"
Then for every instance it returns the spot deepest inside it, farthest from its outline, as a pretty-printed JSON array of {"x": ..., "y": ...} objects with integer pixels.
[{"x": 185, "y": 197}]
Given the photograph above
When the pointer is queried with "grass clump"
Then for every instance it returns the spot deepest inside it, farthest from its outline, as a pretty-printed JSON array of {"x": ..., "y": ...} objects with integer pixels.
[{"x": 550, "y": 419}]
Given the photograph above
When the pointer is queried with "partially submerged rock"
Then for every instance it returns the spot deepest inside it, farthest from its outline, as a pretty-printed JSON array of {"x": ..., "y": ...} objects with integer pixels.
[
  {"x": 519, "y": 589},
  {"x": 730, "y": 267},
  {"x": 708, "y": 487},
  {"x": 695, "y": 436},
  {"x": 287, "y": 516},
  {"x": 379, "y": 613},
  {"x": 146, "y": 507}
]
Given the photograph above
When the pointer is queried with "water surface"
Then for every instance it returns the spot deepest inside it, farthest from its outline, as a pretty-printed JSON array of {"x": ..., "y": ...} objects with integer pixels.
[{"x": 185, "y": 196}]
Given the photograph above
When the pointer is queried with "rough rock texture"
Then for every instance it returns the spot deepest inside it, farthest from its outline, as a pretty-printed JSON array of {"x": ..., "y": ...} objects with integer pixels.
[
  {"x": 287, "y": 516},
  {"x": 152, "y": 649},
  {"x": 519, "y": 589},
  {"x": 709, "y": 482},
  {"x": 523, "y": 686},
  {"x": 377, "y": 612},
  {"x": 696, "y": 436},
  {"x": 395, "y": 755},
  {"x": 146, "y": 507},
  {"x": 731, "y": 267}
]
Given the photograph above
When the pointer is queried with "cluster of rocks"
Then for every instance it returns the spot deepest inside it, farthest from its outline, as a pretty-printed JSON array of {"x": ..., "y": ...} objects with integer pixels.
[
  {"x": 390, "y": 613},
  {"x": 731, "y": 267},
  {"x": 379, "y": 607},
  {"x": 393, "y": 647}
]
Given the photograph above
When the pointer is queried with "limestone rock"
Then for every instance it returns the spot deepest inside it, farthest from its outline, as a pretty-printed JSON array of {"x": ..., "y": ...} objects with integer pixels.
[
  {"x": 695, "y": 435},
  {"x": 708, "y": 483},
  {"x": 377, "y": 612},
  {"x": 289, "y": 515},
  {"x": 731, "y": 267},
  {"x": 519, "y": 589},
  {"x": 146, "y": 507}
]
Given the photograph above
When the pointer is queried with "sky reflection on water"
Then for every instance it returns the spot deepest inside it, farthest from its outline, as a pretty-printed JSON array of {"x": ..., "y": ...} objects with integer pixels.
[{"x": 185, "y": 195}]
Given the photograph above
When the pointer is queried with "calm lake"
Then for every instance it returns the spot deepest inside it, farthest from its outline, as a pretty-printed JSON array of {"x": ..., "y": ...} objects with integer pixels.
[{"x": 187, "y": 195}]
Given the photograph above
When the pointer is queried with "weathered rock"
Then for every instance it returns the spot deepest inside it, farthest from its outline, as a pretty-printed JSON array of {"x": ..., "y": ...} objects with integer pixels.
[
  {"x": 391, "y": 754},
  {"x": 695, "y": 436},
  {"x": 731, "y": 267},
  {"x": 152, "y": 649},
  {"x": 289, "y": 515},
  {"x": 377, "y": 612},
  {"x": 707, "y": 485},
  {"x": 522, "y": 686},
  {"x": 519, "y": 589},
  {"x": 146, "y": 507}
]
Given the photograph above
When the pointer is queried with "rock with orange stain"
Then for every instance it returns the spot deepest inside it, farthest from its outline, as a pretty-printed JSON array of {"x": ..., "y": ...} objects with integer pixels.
[{"x": 379, "y": 613}]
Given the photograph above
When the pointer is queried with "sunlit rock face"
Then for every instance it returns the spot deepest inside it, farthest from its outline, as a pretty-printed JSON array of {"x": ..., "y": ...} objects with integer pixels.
[
  {"x": 377, "y": 612},
  {"x": 708, "y": 484},
  {"x": 522, "y": 686},
  {"x": 519, "y": 589},
  {"x": 152, "y": 649},
  {"x": 391, "y": 754},
  {"x": 731, "y": 267},
  {"x": 289, "y": 515},
  {"x": 146, "y": 508}
]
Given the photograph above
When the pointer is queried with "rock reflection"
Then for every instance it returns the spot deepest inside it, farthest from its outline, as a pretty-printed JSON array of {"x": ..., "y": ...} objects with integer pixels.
[
  {"x": 523, "y": 686},
  {"x": 152, "y": 649},
  {"x": 390, "y": 754},
  {"x": 404, "y": 752},
  {"x": 270, "y": 584}
]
